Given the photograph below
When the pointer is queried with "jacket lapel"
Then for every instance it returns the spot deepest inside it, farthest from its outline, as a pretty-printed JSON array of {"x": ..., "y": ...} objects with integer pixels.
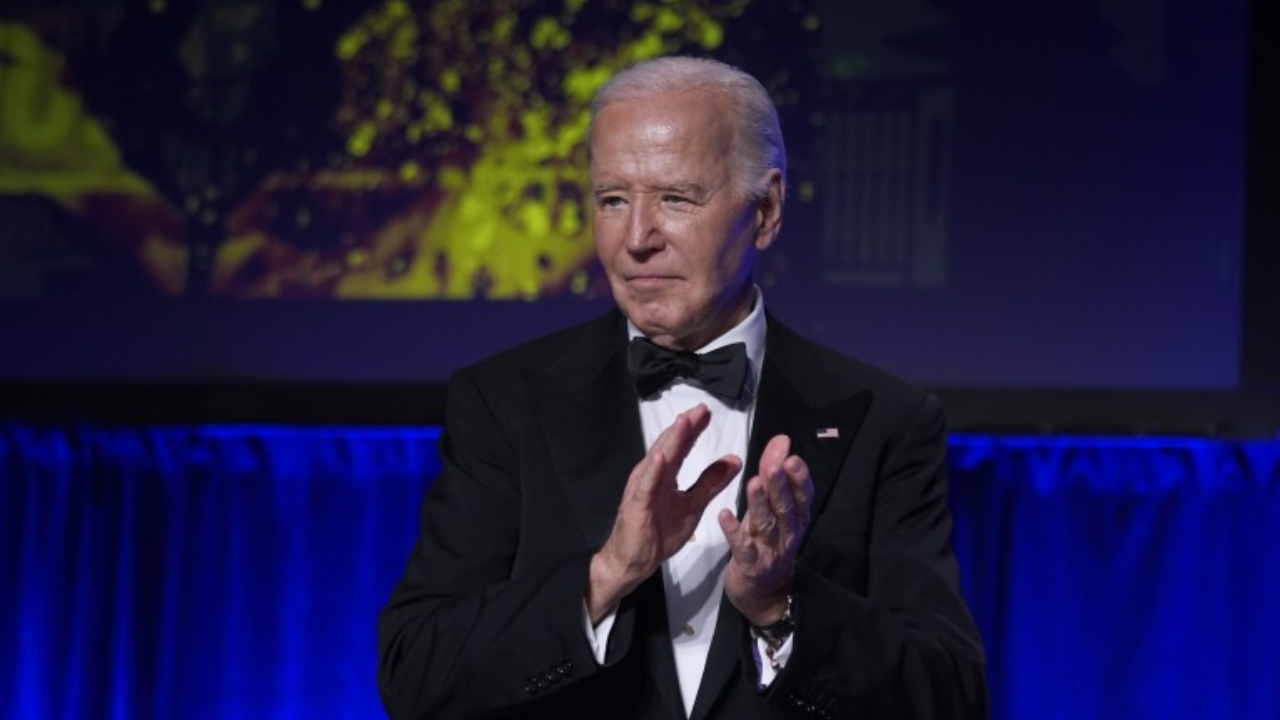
[
  {"x": 590, "y": 421},
  {"x": 797, "y": 398}
]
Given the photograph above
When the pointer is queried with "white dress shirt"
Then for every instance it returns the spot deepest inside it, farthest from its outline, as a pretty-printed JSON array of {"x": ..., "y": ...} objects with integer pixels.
[{"x": 694, "y": 577}]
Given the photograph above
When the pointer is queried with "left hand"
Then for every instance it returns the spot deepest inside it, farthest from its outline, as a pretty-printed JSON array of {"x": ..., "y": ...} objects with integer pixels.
[{"x": 764, "y": 544}]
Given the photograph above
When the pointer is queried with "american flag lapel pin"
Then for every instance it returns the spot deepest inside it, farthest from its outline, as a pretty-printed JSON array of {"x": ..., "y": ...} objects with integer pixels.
[{"x": 825, "y": 433}]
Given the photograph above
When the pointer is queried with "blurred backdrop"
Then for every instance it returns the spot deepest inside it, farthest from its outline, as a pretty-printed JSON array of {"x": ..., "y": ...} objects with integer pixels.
[{"x": 244, "y": 243}]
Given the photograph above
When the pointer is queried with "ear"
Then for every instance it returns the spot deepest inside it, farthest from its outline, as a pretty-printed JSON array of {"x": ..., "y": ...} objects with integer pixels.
[{"x": 769, "y": 210}]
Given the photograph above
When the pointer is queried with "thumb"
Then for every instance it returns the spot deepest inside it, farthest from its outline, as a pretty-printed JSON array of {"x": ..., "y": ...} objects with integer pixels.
[
  {"x": 713, "y": 480},
  {"x": 729, "y": 525},
  {"x": 741, "y": 549}
]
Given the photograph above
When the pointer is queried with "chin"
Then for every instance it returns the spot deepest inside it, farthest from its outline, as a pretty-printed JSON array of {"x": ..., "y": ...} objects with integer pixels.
[
  {"x": 650, "y": 311},
  {"x": 647, "y": 324}
]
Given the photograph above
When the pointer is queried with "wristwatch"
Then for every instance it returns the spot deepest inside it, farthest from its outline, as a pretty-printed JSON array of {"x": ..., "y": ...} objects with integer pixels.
[{"x": 775, "y": 634}]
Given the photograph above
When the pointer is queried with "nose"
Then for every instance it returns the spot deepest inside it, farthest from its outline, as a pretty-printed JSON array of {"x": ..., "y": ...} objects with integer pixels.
[{"x": 643, "y": 235}]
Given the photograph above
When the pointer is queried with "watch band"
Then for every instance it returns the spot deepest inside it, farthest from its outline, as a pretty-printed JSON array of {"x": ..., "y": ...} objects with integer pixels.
[{"x": 775, "y": 634}]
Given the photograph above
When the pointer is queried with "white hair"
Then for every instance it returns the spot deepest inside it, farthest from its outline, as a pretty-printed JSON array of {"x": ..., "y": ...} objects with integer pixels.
[{"x": 756, "y": 130}]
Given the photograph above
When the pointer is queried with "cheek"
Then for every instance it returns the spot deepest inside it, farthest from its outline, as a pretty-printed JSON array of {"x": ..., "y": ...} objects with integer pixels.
[
  {"x": 606, "y": 243},
  {"x": 728, "y": 264},
  {"x": 738, "y": 253}
]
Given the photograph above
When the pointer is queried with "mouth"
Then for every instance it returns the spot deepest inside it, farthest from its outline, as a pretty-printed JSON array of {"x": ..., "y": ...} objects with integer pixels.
[{"x": 650, "y": 281}]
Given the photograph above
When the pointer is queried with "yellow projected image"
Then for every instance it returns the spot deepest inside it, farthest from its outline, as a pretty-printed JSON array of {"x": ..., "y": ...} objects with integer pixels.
[
  {"x": 51, "y": 147},
  {"x": 479, "y": 113},
  {"x": 456, "y": 162}
]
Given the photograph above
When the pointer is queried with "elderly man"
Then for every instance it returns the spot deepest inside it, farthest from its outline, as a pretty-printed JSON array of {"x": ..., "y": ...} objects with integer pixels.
[{"x": 597, "y": 546}]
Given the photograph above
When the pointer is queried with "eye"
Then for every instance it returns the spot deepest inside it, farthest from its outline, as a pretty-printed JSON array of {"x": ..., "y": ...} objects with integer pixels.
[
  {"x": 609, "y": 201},
  {"x": 676, "y": 199}
]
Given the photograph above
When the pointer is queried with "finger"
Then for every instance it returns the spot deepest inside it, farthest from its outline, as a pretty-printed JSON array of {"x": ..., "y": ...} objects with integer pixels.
[
  {"x": 775, "y": 452},
  {"x": 713, "y": 481},
  {"x": 741, "y": 547},
  {"x": 760, "y": 517},
  {"x": 782, "y": 504},
  {"x": 677, "y": 440},
  {"x": 647, "y": 476},
  {"x": 730, "y": 526},
  {"x": 661, "y": 464},
  {"x": 801, "y": 483},
  {"x": 781, "y": 496}
]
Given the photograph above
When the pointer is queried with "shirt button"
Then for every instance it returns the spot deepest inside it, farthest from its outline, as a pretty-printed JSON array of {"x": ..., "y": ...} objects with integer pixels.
[{"x": 688, "y": 630}]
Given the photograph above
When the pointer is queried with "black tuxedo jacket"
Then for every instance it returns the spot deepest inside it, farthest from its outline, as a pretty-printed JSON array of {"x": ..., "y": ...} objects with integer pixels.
[{"x": 488, "y": 618}]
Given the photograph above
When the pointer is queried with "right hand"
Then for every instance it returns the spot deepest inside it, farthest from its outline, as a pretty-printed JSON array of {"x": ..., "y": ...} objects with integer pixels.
[{"x": 655, "y": 518}]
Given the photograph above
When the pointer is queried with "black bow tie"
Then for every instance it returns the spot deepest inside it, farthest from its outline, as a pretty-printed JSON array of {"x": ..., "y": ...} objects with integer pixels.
[{"x": 720, "y": 372}]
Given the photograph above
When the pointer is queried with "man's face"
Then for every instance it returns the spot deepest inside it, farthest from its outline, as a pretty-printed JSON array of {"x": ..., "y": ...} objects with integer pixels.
[{"x": 676, "y": 237}]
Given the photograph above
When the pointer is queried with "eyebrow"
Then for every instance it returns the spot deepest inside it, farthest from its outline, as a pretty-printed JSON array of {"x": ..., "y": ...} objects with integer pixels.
[
  {"x": 679, "y": 188},
  {"x": 684, "y": 189}
]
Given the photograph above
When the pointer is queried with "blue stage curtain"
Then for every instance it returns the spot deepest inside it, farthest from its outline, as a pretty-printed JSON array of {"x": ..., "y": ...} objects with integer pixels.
[
  {"x": 237, "y": 571},
  {"x": 1123, "y": 578},
  {"x": 205, "y": 572}
]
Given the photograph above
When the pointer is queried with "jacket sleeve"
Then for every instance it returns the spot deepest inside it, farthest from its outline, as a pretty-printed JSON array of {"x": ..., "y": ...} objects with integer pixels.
[
  {"x": 882, "y": 629},
  {"x": 463, "y": 635}
]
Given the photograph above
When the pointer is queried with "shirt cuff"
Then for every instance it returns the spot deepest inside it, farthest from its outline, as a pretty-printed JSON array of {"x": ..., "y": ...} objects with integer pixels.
[
  {"x": 598, "y": 635},
  {"x": 765, "y": 664}
]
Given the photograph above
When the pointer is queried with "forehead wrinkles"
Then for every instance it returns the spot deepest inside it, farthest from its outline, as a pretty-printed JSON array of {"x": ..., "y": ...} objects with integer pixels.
[{"x": 665, "y": 140}]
